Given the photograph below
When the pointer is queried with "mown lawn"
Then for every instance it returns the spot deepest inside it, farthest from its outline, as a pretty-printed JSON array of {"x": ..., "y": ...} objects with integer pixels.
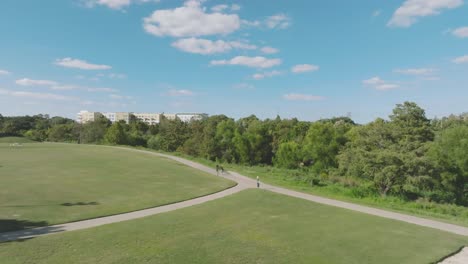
[
  {"x": 44, "y": 183},
  {"x": 253, "y": 226},
  {"x": 291, "y": 179}
]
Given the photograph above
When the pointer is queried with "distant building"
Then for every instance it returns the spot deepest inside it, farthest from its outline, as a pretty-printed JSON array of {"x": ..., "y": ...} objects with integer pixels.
[
  {"x": 85, "y": 116},
  {"x": 188, "y": 117},
  {"x": 169, "y": 116},
  {"x": 148, "y": 118},
  {"x": 117, "y": 116}
]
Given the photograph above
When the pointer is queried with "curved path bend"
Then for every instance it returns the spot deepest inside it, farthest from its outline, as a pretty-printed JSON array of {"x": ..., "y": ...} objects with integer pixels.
[{"x": 243, "y": 183}]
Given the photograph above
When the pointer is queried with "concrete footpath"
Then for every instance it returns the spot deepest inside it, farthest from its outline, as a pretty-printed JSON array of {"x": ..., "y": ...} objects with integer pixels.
[{"x": 243, "y": 183}]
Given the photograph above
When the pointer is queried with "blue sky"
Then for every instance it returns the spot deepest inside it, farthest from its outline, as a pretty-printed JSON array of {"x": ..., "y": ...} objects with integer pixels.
[{"x": 298, "y": 58}]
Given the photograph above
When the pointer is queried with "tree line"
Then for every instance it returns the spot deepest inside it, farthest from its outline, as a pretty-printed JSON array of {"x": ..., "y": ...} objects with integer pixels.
[{"x": 406, "y": 155}]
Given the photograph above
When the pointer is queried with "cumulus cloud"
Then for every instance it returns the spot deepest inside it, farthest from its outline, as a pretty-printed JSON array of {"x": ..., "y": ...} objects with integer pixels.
[
  {"x": 304, "y": 68},
  {"x": 302, "y": 97},
  {"x": 253, "y": 62},
  {"x": 44, "y": 96},
  {"x": 223, "y": 7},
  {"x": 373, "y": 81},
  {"x": 205, "y": 46},
  {"x": 53, "y": 85},
  {"x": 4, "y": 72},
  {"x": 416, "y": 71},
  {"x": 461, "y": 32},
  {"x": 190, "y": 20},
  {"x": 30, "y": 82},
  {"x": 411, "y": 10},
  {"x": 263, "y": 75},
  {"x": 80, "y": 64},
  {"x": 269, "y": 50},
  {"x": 175, "y": 92},
  {"x": 379, "y": 84},
  {"x": 235, "y": 7},
  {"x": 115, "y": 4},
  {"x": 462, "y": 59},
  {"x": 280, "y": 21},
  {"x": 219, "y": 8}
]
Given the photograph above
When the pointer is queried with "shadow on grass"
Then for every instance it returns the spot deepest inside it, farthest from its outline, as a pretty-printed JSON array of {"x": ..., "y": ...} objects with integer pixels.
[
  {"x": 14, "y": 224},
  {"x": 22, "y": 230},
  {"x": 79, "y": 204},
  {"x": 63, "y": 204}
]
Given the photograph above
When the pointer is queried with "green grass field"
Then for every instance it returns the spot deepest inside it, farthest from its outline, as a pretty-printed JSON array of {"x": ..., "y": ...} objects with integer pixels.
[
  {"x": 253, "y": 226},
  {"x": 286, "y": 178},
  {"x": 44, "y": 184},
  {"x": 15, "y": 140}
]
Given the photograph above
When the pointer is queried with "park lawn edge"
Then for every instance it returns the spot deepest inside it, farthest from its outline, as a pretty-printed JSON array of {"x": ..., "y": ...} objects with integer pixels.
[
  {"x": 438, "y": 217},
  {"x": 233, "y": 184},
  {"x": 301, "y": 189},
  {"x": 448, "y": 256}
]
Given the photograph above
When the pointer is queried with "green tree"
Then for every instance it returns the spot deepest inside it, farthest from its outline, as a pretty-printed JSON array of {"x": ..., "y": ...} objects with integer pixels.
[
  {"x": 116, "y": 134},
  {"x": 288, "y": 155},
  {"x": 322, "y": 144},
  {"x": 450, "y": 154}
]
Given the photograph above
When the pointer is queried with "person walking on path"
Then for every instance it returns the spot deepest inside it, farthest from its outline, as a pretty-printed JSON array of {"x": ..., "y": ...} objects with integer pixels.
[
  {"x": 217, "y": 170},
  {"x": 258, "y": 182}
]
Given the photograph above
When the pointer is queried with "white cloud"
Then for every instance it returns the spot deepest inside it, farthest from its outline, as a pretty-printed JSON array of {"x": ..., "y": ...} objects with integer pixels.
[
  {"x": 219, "y": 8},
  {"x": 269, "y": 50},
  {"x": 263, "y": 75},
  {"x": 116, "y": 4},
  {"x": 53, "y": 85},
  {"x": 280, "y": 21},
  {"x": 302, "y": 97},
  {"x": 190, "y": 20},
  {"x": 417, "y": 71},
  {"x": 304, "y": 68},
  {"x": 253, "y": 62},
  {"x": 80, "y": 64},
  {"x": 174, "y": 92},
  {"x": 373, "y": 81},
  {"x": 386, "y": 86},
  {"x": 44, "y": 96},
  {"x": 235, "y": 7},
  {"x": 99, "y": 89},
  {"x": 30, "y": 82},
  {"x": 380, "y": 84},
  {"x": 462, "y": 59},
  {"x": 461, "y": 32},
  {"x": 116, "y": 76},
  {"x": 205, "y": 46},
  {"x": 4, "y": 72},
  {"x": 376, "y": 13},
  {"x": 411, "y": 10}
]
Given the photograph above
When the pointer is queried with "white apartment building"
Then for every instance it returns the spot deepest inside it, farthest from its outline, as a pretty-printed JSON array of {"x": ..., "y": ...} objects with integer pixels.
[
  {"x": 188, "y": 117},
  {"x": 148, "y": 118},
  {"x": 117, "y": 116},
  {"x": 85, "y": 116}
]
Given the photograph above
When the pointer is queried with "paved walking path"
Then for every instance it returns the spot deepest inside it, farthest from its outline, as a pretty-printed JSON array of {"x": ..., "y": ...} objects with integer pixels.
[{"x": 242, "y": 184}]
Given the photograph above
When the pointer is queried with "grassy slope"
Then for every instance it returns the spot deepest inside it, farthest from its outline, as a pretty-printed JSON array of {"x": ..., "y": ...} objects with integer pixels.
[
  {"x": 281, "y": 177},
  {"x": 15, "y": 140},
  {"x": 39, "y": 181},
  {"x": 253, "y": 226}
]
